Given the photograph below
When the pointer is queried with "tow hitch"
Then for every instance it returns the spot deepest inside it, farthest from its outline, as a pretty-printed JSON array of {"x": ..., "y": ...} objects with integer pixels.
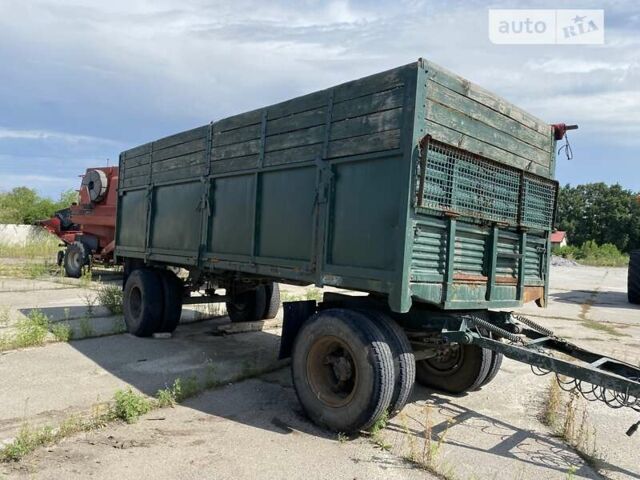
[{"x": 596, "y": 377}]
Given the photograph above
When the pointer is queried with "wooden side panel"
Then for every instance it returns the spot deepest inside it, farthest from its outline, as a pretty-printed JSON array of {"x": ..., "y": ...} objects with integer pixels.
[{"x": 464, "y": 115}]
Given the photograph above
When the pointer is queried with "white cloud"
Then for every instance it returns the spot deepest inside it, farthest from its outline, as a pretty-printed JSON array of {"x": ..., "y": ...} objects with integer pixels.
[
  {"x": 9, "y": 133},
  {"x": 134, "y": 70},
  {"x": 561, "y": 65}
]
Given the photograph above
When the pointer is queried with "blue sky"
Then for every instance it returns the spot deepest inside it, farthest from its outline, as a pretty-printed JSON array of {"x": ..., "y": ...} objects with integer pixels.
[{"x": 82, "y": 80}]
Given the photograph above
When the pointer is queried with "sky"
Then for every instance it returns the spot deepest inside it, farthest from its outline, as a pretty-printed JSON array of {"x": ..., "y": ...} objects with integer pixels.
[{"x": 80, "y": 81}]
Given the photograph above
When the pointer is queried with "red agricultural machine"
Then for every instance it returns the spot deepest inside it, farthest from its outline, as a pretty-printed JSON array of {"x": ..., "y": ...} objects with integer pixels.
[{"x": 87, "y": 228}]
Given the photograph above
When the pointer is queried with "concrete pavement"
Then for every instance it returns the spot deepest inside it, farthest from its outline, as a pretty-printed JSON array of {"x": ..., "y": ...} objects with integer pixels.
[{"x": 255, "y": 428}]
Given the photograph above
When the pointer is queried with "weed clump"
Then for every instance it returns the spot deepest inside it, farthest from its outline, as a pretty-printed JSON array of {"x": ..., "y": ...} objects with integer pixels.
[
  {"x": 178, "y": 392},
  {"x": 110, "y": 296},
  {"x": 129, "y": 406},
  {"x": 569, "y": 420},
  {"x": 62, "y": 332},
  {"x": 33, "y": 330}
]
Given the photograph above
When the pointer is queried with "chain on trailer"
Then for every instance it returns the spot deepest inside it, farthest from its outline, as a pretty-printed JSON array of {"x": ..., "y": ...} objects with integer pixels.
[{"x": 603, "y": 379}]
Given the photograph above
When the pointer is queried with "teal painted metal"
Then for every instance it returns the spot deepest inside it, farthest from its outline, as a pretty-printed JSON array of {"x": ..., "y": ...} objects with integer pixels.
[{"x": 413, "y": 183}]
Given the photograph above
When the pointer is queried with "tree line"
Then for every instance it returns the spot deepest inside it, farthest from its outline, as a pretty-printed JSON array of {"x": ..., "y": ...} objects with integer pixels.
[
  {"x": 23, "y": 205},
  {"x": 600, "y": 213}
]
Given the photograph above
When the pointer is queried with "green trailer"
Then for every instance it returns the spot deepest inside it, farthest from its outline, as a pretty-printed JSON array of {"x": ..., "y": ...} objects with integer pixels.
[{"x": 432, "y": 195}]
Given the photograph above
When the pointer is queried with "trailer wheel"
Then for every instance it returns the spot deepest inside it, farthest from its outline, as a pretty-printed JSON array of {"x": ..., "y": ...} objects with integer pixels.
[
  {"x": 143, "y": 302},
  {"x": 75, "y": 258},
  {"x": 458, "y": 368},
  {"x": 172, "y": 291},
  {"x": 342, "y": 370},
  {"x": 404, "y": 362},
  {"x": 272, "y": 301},
  {"x": 633, "y": 283},
  {"x": 494, "y": 368},
  {"x": 248, "y": 306}
]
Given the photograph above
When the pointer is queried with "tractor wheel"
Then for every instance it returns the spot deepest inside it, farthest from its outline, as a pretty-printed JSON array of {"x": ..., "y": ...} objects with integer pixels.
[
  {"x": 143, "y": 302},
  {"x": 75, "y": 258},
  {"x": 404, "y": 362},
  {"x": 60, "y": 258},
  {"x": 458, "y": 368},
  {"x": 172, "y": 290},
  {"x": 272, "y": 301},
  {"x": 342, "y": 370},
  {"x": 248, "y": 306},
  {"x": 633, "y": 283}
]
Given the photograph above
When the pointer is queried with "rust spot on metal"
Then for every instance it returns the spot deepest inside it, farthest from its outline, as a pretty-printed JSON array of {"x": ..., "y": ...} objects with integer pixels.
[
  {"x": 533, "y": 293},
  {"x": 467, "y": 278},
  {"x": 464, "y": 277}
]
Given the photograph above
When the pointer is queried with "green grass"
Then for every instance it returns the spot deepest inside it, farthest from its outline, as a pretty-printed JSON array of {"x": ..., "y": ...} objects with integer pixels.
[
  {"x": 33, "y": 331},
  {"x": 129, "y": 406},
  {"x": 311, "y": 293},
  {"x": 4, "y": 315},
  {"x": 424, "y": 452},
  {"x": 29, "y": 269},
  {"x": 603, "y": 327},
  {"x": 46, "y": 246},
  {"x": 86, "y": 330},
  {"x": 30, "y": 438},
  {"x": 126, "y": 406},
  {"x": 25, "y": 442},
  {"x": 110, "y": 296},
  {"x": 62, "y": 332},
  {"x": 178, "y": 392},
  {"x": 569, "y": 420},
  {"x": 592, "y": 254}
]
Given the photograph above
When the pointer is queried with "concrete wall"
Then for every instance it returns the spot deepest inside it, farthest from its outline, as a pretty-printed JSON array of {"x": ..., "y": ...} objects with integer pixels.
[{"x": 21, "y": 234}]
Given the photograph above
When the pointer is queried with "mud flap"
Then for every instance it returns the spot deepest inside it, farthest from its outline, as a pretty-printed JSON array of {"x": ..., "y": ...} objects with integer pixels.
[{"x": 295, "y": 314}]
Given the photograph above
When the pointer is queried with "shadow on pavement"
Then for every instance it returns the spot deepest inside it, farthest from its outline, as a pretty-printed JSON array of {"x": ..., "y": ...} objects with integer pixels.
[
  {"x": 594, "y": 298},
  {"x": 462, "y": 428},
  {"x": 195, "y": 351}
]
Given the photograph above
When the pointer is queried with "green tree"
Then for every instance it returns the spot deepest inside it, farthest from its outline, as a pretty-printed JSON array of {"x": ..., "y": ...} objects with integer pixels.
[
  {"x": 23, "y": 205},
  {"x": 605, "y": 214}
]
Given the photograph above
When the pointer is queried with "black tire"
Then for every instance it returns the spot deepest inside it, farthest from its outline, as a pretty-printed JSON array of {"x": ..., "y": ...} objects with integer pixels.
[
  {"x": 60, "y": 258},
  {"x": 342, "y": 369},
  {"x": 75, "y": 258},
  {"x": 633, "y": 282},
  {"x": 272, "y": 301},
  {"x": 494, "y": 368},
  {"x": 462, "y": 370},
  {"x": 248, "y": 306},
  {"x": 404, "y": 362},
  {"x": 172, "y": 291},
  {"x": 143, "y": 302}
]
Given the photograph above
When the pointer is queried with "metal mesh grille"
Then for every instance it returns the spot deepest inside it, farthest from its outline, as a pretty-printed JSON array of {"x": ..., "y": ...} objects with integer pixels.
[
  {"x": 457, "y": 181},
  {"x": 537, "y": 202}
]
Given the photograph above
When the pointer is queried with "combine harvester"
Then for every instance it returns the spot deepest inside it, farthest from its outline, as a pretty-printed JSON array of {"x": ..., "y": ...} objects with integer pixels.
[
  {"x": 87, "y": 229},
  {"x": 428, "y": 192}
]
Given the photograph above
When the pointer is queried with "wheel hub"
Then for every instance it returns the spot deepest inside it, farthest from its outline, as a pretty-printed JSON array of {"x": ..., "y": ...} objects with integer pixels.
[
  {"x": 446, "y": 361},
  {"x": 332, "y": 372},
  {"x": 341, "y": 367}
]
